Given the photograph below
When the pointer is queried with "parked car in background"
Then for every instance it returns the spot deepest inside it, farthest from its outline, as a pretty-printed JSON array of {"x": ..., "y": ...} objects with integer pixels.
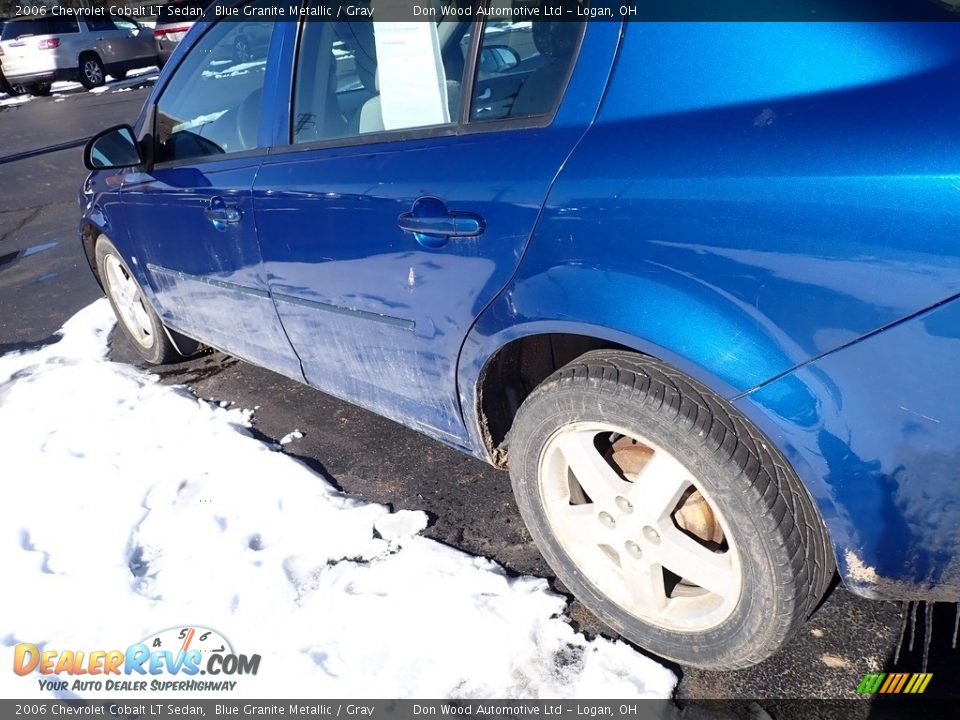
[
  {"x": 37, "y": 51},
  {"x": 6, "y": 87},
  {"x": 696, "y": 285},
  {"x": 174, "y": 20}
]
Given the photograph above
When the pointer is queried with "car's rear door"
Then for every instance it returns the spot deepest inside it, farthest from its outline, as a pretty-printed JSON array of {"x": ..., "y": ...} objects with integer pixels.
[
  {"x": 135, "y": 42},
  {"x": 191, "y": 213},
  {"x": 386, "y": 226},
  {"x": 106, "y": 39}
]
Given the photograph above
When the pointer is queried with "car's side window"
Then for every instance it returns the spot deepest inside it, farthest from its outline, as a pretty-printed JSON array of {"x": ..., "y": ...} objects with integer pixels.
[
  {"x": 357, "y": 78},
  {"x": 100, "y": 24},
  {"x": 211, "y": 105},
  {"x": 523, "y": 66},
  {"x": 62, "y": 26}
]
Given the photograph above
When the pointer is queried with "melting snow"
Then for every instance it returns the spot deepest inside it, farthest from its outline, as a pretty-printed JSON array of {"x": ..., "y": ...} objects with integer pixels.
[
  {"x": 290, "y": 437},
  {"x": 14, "y": 99},
  {"x": 131, "y": 507}
]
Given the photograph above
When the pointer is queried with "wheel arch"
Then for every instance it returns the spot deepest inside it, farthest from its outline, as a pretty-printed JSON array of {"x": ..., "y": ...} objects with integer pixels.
[
  {"x": 94, "y": 224},
  {"x": 496, "y": 377},
  {"x": 89, "y": 232},
  {"x": 88, "y": 51},
  {"x": 514, "y": 362}
]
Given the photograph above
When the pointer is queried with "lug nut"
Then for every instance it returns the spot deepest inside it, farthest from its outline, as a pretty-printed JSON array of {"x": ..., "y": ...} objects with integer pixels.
[
  {"x": 633, "y": 550},
  {"x": 606, "y": 519},
  {"x": 623, "y": 504},
  {"x": 651, "y": 535}
]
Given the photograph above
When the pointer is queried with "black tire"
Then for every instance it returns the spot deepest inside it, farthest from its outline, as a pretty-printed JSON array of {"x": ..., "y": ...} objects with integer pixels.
[
  {"x": 155, "y": 346},
  {"x": 784, "y": 557},
  {"x": 92, "y": 73},
  {"x": 38, "y": 89},
  {"x": 7, "y": 88}
]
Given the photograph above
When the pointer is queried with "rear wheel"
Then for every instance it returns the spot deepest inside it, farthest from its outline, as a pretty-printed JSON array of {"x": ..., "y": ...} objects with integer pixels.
[
  {"x": 91, "y": 71},
  {"x": 666, "y": 513},
  {"x": 138, "y": 321},
  {"x": 37, "y": 89},
  {"x": 6, "y": 87}
]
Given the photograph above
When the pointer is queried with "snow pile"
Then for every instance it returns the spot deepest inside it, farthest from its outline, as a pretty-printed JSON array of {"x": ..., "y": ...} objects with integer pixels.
[
  {"x": 130, "y": 508},
  {"x": 14, "y": 99}
]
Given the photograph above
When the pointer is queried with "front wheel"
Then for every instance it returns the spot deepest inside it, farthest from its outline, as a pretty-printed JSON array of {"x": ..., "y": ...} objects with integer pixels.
[
  {"x": 138, "y": 321},
  {"x": 666, "y": 513}
]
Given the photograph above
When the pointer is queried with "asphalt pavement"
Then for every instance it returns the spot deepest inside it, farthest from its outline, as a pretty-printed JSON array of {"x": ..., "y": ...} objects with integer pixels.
[{"x": 44, "y": 279}]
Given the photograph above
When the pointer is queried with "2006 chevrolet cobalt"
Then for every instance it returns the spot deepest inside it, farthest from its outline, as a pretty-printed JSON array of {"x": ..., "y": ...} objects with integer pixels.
[{"x": 694, "y": 284}]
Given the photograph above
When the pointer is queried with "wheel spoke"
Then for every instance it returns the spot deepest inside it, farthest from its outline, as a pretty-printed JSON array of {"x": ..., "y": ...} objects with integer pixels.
[
  {"x": 130, "y": 306},
  {"x": 140, "y": 315},
  {"x": 659, "y": 486},
  {"x": 116, "y": 276},
  {"x": 578, "y": 524},
  {"x": 643, "y": 581},
  {"x": 695, "y": 563},
  {"x": 598, "y": 479}
]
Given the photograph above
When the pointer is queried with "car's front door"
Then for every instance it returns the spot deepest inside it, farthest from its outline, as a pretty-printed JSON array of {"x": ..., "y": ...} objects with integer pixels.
[
  {"x": 192, "y": 213},
  {"x": 388, "y": 224}
]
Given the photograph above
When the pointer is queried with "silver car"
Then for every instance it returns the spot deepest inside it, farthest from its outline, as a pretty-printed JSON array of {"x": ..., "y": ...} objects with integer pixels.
[{"x": 34, "y": 52}]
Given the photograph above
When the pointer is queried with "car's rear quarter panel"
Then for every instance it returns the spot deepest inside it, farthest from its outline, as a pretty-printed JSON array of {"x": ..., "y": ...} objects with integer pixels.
[{"x": 754, "y": 196}]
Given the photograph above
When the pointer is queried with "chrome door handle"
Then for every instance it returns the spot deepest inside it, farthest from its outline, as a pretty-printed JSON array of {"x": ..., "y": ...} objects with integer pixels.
[{"x": 221, "y": 214}]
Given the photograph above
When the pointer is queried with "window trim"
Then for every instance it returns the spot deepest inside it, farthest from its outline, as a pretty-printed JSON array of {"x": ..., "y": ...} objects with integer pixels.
[{"x": 462, "y": 126}]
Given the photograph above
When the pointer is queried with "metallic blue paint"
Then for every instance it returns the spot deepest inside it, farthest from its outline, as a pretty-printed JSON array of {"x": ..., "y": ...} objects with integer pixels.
[
  {"x": 771, "y": 208},
  {"x": 872, "y": 430}
]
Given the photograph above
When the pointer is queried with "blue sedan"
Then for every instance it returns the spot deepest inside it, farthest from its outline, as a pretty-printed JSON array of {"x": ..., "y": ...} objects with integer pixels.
[{"x": 694, "y": 284}]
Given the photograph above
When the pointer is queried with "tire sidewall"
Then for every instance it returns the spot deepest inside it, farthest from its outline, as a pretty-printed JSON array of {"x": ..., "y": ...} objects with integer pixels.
[
  {"x": 158, "y": 351},
  {"x": 753, "y": 623}
]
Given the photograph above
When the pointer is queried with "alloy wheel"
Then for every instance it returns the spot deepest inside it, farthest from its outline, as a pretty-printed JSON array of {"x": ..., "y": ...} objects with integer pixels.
[
  {"x": 639, "y": 527},
  {"x": 129, "y": 303},
  {"x": 93, "y": 71}
]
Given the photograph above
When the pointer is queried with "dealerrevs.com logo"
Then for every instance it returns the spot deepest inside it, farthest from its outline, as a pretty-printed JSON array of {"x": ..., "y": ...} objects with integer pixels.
[{"x": 181, "y": 653}]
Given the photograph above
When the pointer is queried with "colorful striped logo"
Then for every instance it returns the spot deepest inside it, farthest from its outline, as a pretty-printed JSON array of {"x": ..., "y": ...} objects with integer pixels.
[{"x": 894, "y": 683}]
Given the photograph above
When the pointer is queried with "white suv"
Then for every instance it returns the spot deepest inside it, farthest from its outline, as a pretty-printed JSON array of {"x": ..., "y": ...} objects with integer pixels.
[{"x": 34, "y": 52}]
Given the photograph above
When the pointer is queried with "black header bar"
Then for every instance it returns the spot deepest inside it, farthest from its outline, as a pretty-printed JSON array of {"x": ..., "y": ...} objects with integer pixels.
[{"x": 515, "y": 10}]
